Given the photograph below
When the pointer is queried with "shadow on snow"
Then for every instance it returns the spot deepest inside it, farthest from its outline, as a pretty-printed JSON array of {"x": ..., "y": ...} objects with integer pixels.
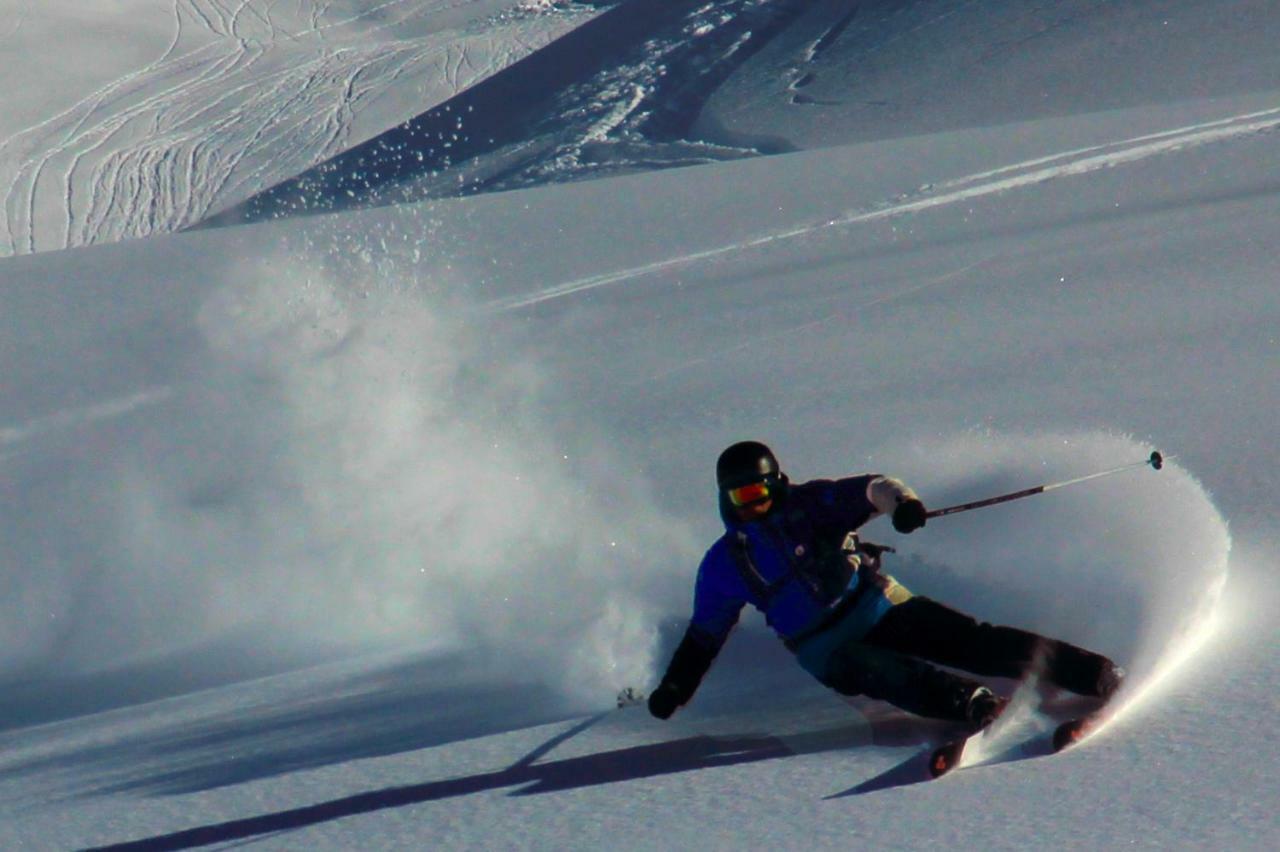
[{"x": 531, "y": 777}]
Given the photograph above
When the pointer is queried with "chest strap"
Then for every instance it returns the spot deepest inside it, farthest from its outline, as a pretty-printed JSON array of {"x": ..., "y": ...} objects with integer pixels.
[{"x": 759, "y": 586}]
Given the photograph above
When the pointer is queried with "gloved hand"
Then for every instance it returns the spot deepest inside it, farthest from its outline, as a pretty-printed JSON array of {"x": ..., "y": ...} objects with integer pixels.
[
  {"x": 664, "y": 700},
  {"x": 910, "y": 515},
  {"x": 871, "y": 550}
]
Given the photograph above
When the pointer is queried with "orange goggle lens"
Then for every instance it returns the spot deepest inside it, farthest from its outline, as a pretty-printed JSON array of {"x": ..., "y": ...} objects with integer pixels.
[{"x": 748, "y": 494}]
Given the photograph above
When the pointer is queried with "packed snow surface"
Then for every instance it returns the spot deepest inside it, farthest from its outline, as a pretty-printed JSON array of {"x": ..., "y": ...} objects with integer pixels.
[{"x": 344, "y": 531}]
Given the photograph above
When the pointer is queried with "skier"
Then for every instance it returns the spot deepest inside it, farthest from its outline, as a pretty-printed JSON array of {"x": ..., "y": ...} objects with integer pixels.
[{"x": 791, "y": 550}]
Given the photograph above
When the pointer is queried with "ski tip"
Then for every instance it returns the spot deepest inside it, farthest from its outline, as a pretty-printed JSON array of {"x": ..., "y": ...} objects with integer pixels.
[
  {"x": 945, "y": 758},
  {"x": 630, "y": 697},
  {"x": 1072, "y": 732}
]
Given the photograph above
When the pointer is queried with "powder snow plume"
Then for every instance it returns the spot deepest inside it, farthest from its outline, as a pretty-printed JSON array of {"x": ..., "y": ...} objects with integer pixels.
[
  {"x": 1132, "y": 565},
  {"x": 351, "y": 465}
]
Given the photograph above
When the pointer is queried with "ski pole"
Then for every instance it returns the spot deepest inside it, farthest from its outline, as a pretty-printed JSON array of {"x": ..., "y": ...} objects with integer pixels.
[{"x": 1156, "y": 461}]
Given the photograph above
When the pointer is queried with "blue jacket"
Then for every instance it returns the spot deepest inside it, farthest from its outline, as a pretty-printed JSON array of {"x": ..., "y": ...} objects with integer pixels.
[{"x": 790, "y": 565}]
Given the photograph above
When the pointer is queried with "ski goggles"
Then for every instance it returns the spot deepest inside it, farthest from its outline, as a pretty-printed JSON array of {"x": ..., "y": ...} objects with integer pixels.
[{"x": 745, "y": 495}]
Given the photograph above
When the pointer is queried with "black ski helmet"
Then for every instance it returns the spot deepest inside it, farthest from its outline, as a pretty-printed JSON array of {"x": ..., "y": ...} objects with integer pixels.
[{"x": 746, "y": 462}]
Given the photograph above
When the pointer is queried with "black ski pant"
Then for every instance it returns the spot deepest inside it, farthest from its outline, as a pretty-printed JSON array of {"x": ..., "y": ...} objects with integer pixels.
[{"x": 894, "y": 661}]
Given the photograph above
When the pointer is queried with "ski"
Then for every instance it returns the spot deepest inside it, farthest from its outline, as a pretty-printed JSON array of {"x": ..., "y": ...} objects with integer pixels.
[
  {"x": 1078, "y": 729},
  {"x": 1075, "y": 731},
  {"x": 630, "y": 697},
  {"x": 949, "y": 755}
]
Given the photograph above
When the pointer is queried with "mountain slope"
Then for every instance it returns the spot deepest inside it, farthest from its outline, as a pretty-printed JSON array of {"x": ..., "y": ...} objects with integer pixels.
[
  {"x": 200, "y": 104},
  {"x": 344, "y": 530}
]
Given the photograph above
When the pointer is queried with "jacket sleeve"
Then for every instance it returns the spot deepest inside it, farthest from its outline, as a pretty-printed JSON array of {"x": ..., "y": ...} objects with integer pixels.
[
  {"x": 886, "y": 493},
  {"x": 689, "y": 664},
  {"x": 718, "y": 597},
  {"x": 717, "y": 604},
  {"x": 849, "y": 503}
]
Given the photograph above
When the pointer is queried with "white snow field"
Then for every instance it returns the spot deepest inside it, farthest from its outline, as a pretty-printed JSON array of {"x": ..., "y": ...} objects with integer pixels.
[
  {"x": 143, "y": 116},
  {"x": 344, "y": 531}
]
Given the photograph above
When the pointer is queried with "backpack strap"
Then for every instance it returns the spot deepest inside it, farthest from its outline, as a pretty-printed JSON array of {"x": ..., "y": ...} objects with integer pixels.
[{"x": 760, "y": 588}]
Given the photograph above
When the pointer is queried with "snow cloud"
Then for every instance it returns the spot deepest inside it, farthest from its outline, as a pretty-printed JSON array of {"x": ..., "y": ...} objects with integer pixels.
[
  {"x": 1132, "y": 565},
  {"x": 353, "y": 465}
]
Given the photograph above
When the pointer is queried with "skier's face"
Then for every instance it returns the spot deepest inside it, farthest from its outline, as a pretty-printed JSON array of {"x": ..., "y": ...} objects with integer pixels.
[
  {"x": 751, "y": 501},
  {"x": 753, "y": 512}
]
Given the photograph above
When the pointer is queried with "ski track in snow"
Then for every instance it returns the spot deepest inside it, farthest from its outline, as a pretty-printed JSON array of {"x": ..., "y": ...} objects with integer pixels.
[
  {"x": 15, "y": 25},
  {"x": 1071, "y": 163},
  {"x": 147, "y": 152},
  {"x": 61, "y": 421}
]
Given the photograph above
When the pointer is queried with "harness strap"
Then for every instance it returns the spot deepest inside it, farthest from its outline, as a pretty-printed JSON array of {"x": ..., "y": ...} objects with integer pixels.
[
  {"x": 869, "y": 579},
  {"x": 751, "y": 575},
  {"x": 761, "y": 588},
  {"x": 832, "y": 616}
]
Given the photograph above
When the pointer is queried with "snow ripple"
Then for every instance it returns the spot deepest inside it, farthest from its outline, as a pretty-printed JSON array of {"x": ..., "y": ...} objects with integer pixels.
[{"x": 1015, "y": 176}]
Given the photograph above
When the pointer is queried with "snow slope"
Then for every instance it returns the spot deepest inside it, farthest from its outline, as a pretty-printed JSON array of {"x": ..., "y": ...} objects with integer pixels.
[
  {"x": 880, "y": 70},
  {"x": 170, "y": 111},
  {"x": 344, "y": 530}
]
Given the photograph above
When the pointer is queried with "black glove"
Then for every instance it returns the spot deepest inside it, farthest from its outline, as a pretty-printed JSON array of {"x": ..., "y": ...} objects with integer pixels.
[
  {"x": 664, "y": 700},
  {"x": 910, "y": 515},
  {"x": 688, "y": 664}
]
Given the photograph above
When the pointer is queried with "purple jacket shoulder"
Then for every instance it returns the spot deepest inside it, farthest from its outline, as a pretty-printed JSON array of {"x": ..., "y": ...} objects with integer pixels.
[{"x": 782, "y": 578}]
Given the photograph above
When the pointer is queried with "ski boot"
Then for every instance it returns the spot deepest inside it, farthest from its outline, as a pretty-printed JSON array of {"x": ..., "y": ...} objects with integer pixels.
[
  {"x": 1109, "y": 680},
  {"x": 984, "y": 707}
]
